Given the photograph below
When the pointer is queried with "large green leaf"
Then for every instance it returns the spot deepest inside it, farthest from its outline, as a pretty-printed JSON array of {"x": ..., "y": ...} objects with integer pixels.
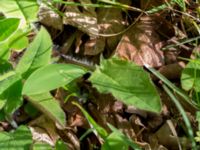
[
  {"x": 18, "y": 41},
  {"x": 118, "y": 141},
  {"x": 7, "y": 80},
  {"x": 190, "y": 77},
  {"x": 37, "y": 55},
  {"x": 21, "y": 139},
  {"x": 128, "y": 83},
  {"x": 13, "y": 97},
  {"x": 49, "y": 106},
  {"x": 7, "y": 27},
  {"x": 4, "y": 51},
  {"x": 23, "y": 9},
  {"x": 51, "y": 77}
]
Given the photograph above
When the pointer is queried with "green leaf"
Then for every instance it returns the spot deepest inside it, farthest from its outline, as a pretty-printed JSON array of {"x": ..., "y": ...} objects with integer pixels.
[
  {"x": 8, "y": 27},
  {"x": 118, "y": 141},
  {"x": 60, "y": 145},
  {"x": 115, "y": 141},
  {"x": 37, "y": 55},
  {"x": 4, "y": 51},
  {"x": 49, "y": 106},
  {"x": 181, "y": 3},
  {"x": 42, "y": 146},
  {"x": 190, "y": 77},
  {"x": 18, "y": 41},
  {"x": 128, "y": 83},
  {"x": 7, "y": 80},
  {"x": 101, "y": 131},
  {"x": 51, "y": 77},
  {"x": 23, "y": 9},
  {"x": 13, "y": 97},
  {"x": 21, "y": 139}
]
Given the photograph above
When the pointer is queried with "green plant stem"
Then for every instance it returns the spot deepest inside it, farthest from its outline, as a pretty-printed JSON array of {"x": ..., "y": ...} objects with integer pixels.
[
  {"x": 184, "y": 115},
  {"x": 172, "y": 86}
]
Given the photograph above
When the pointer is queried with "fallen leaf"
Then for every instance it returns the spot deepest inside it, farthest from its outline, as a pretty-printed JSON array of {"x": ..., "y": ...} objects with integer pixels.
[
  {"x": 142, "y": 44},
  {"x": 49, "y": 18},
  {"x": 84, "y": 21},
  {"x": 44, "y": 130}
]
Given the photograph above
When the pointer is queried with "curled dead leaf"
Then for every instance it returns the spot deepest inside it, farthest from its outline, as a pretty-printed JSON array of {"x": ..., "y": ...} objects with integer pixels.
[{"x": 142, "y": 44}]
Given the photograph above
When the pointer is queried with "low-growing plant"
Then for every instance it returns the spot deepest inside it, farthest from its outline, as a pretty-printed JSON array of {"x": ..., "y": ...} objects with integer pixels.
[{"x": 35, "y": 76}]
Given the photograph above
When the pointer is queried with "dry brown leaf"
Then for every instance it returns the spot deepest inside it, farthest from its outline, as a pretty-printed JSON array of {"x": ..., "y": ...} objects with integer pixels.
[
  {"x": 110, "y": 21},
  {"x": 166, "y": 137},
  {"x": 44, "y": 130},
  {"x": 142, "y": 44},
  {"x": 124, "y": 125},
  {"x": 49, "y": 18},
  {"x": 94, "y": 46},
  {"x": 85, "y": 21}
]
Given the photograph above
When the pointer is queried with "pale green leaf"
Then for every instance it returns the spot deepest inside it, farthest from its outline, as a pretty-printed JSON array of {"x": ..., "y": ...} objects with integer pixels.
[
  {"x": 49, "y": 106},
  {"x": 37, "y": 55},
  {"x": 115, "y": 141},
  {"x": 21, "y": 139},
  {"x": 13, "y": 97},
  {"x": 7, "y": 27},
  {"x": 7, "y": 80},
  {"x": 118, "y": 141},
  {"x": 128, "y": 83},
  {"x": 23, "y": 9},
  {"x": 41, "y": 146},
  {"x": 4, "y": 51},
  {"x": 51, "y": 77},
  {"x": 190, "y": 77},
  {"x": 18, "y": 41}
]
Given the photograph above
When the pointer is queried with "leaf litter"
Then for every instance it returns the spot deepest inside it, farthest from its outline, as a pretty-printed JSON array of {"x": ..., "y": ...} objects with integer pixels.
[{"x": 133, "y": 36}]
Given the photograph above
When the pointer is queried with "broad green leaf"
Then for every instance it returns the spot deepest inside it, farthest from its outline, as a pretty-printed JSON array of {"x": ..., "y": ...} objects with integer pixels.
[
  {"x": 4, "y": 51},
  {"x": 49, "y": 106},
  {"x": 115, "y": 141},
  {"x": 51, "y": 77},
  {"x": 37, "y": 55},
  {"x": 101, "y": 131},
  {"x": 13, "y": 97},
  {"x": 23, "y": 9},
  {"x": 41, "y": 146},
  {"x": 190, "y": 77},
  {"x": 5, "y": 66},
  {"x": 118, "y": 141},
  {"x": 18, "y": 41},
  {"x": 7, "y": 80},
  {"x": 128, "y": 83},
  {"x": 8, "y": 27},
  {"x": 21, "y": 139},
  {"x": 60, "y": 145}
]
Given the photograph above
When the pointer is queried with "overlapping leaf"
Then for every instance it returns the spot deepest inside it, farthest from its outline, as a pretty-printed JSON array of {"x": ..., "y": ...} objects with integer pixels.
[
  {"x": 51, "y": 77},
  {"x": 128, "y": 83},
  {"x": 37, "y": 55},
  {"x": 21, "y": 139}
]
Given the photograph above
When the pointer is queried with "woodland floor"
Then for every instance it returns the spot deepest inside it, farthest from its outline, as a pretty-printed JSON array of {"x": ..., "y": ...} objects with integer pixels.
[{"x": 164, "y": 40}]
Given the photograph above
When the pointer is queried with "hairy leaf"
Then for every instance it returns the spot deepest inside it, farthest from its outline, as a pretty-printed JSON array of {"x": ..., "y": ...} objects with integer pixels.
[{"x": 128, "y": 83}]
